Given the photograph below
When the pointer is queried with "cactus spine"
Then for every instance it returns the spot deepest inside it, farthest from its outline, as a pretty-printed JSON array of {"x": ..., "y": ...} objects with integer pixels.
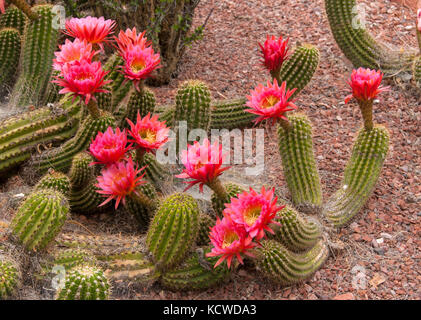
[
  {"x": 295, "y": 232},
  {"x": 13, "y": 18},
  {"x": 360, "y": 176},
  {"x": 358, "y": 45},
  {"x": 218, "y": 204},
  {"x": 193, "y": 105},
  {"x": 196, "y": 273},
  {"x": 60, "y": 158},
  {"x": 87, "y": 199},
  {"x": 302, "y": 177},
  {"x": 230, "y": 114},
  {"x": 26, "y": 9},
  {"x": 39, "y": 44},
  {"x": 143, "y": 102},
  {"x": 10, "y": 42},
  {"x": 85, "y": 283},
  {"x": 286, "y": 267},
  {"x": 40, "y": 218},
  {"x": 54, "y": 180},
  {"x": 206, "y": 222},
  {"x": 80, "y": 171},
  {"x": 173, "y": 230},
  {"x": 21, "y": 135},
  {"x": 9, "y": 277}
]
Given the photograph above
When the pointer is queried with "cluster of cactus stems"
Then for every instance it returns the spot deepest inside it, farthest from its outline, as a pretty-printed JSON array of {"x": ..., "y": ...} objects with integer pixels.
[
  {"x": 10, "y": 277},
  {"x": 359, "y": 46},
  {"x": 177, "y": 249},
  {"x": 10, "y": 42}
]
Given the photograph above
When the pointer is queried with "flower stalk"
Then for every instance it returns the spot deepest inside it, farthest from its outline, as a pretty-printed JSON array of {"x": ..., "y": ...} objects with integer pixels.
[
  {"x": 366, "y": 107},
  {"x": 218, "y": 188},
  {"x": 93, "y": 109}
]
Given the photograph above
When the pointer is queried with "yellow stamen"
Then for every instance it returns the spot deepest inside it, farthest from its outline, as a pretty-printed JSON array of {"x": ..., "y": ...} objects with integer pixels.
[
  {"x": 148, "y": 135},
  {"x": 229, "y": 238},
  {"x": 252, "y": 214},
  {"x": 269, "y": 102}
]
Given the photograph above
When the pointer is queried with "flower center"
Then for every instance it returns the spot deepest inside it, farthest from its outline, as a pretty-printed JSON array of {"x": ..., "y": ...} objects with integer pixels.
[
  {"x": 138, "y": 66},
  {"x": 269, "y": 102},
  {"x": 148, "y": 135},
  {"x": 252, "y": 214},
  {"x": 84, "y": 76},
  {"x": 229, "y": 238}
]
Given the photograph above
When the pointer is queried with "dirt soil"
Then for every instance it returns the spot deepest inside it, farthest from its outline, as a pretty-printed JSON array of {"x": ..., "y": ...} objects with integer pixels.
[{"x": 382, "y": 245}]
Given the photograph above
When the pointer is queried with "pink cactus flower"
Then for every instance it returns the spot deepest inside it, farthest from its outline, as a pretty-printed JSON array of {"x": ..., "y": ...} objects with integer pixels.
[
  {"x": 419, "y": 20},
  {"x": 2, "y": 6},
  {"x": 73, "y": 51},
  {"x": 229, "y": 240},
  {"x": 82, "y": 78},
  {"x": 118, "y": 181},
  {"x": 139, "y": 63},
  {"x": 203, "y": 163},
  {"x": 254, "y": 211},
  {"x": 148, "y": 133},
  {"x": 109, "y": 147},
  {"x": 130, "y": 37},
  {"x": 275, "y": 52},
  {"x": 365, "y": 84},
  {"x": 93, "y": 30},
  {"x": 270, "y": 102}
]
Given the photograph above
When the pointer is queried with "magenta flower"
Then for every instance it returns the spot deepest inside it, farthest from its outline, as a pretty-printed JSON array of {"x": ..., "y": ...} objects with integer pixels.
[
  {"x": 275, "y": 52},
  {"x": 71, "y": 51}
]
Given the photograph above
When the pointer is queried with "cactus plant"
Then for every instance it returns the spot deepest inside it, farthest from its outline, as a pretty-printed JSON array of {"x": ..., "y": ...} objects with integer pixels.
[
  {"x": 142, "y": 213},
  {"x": 196, "y": 273},
  {"x": 13, "y": 18},
  {"x": 173, "y": 229},
  {"x": 40, "y": 218},
  {"x": 84, "y": 283},
  {"x": 296, "y": 232},
  {"x": 230, "y": 114},
  {"x": 285, "y": 267},
  {"x": 87, "y": 200},
  {"x": 417, "y": 72},
  {"x": 71, "y": 258},
  {"x": 155, "y": 172},
  {"x": 54, "y": 180},
  {"x": 358, "y": 45},
  {"x": 206, "y": 222},
  {"x": 360, "y": 177},
  {"x": 302, "y": 177},
  {"x": 40, "y": 41},
  {"x": 26, "y": 9},
  {"x": 193, "y": 105},
  {"x": 21, "y": 135},
  {"x": 61, "y": 157},
  {"x": 80, "y": 171},
  {"x": 104, "y": 100},
  {"x": 218, "y": 203},
  {"x": 10, "y": 43},
  {"x": 143, "y": 102},
  {"x": 9, "y": 277}
]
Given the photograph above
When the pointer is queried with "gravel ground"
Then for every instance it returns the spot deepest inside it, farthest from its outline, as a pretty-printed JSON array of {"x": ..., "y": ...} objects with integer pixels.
[{"x": 228, "y": 60}]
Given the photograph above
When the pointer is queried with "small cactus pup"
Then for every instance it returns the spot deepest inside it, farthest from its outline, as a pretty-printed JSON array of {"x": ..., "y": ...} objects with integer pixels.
[
  {"x": 173, "y": 230},
  {"x": 279, "y": 264},
  {"x": 40, "y": 218},
  {"x": 195, "y": 273},
  {"x": 246, "y": 220},
  {"x": 84, "y": 282},
  {"x": 54, "y": 180},
  {"x": 10, "y": 277},
  {"x": 203, "y": 164},
  {"x": 367, "y": 157},
  {"x": 295, "y": 142}
]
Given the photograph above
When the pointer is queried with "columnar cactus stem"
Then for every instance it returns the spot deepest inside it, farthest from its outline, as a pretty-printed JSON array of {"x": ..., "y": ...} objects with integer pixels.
[
  {"x": 219, "y": 189},
  {"x": 93, "y": 109},
  {"x": 13, "y": 18},
  {"x": 26, "y": 8},
  {"x": 54, "y": 180},
  {"x": 10, "y": 43},
  {"x": 10, "y": 277},
  {"x": 142, "y": 209},
  {"x": 81, "y": 172},
  {"x": 218, "y": 203}
]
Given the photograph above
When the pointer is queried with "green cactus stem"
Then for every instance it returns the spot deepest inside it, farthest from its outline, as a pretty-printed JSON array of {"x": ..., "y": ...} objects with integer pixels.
[
  {"x": 52, "y": 94},
  {"x": 417, "y": 72},
  {"x": 87, "y": 200},
  {"x": 26, "y": 9},
  {"x": 40, "y": 218},
  {"x": 360, "y": 176},
  {"x": 218, "y": 203},
  {"x": 71, "y": 258},
  {"x": 39, "y": 43},
  {"x": 301, "y": 174},
  {"x": 141, "y": 211},
  {"x": 285, "y": 267},
  {"x": 85, "y": 283},
  {"x": 10, "y": 43},
  {"x": 173, "y": 230},
  {"x": 81, "y": 172},
  {"x": 193, "y": 105},
  {"x": 299, "y": 69},
  {"x": 60, "y": 158},
  {"x": 143, "y": 102},
  {"x": 196, "y": 273},
  {"x": 156, "y": 173},
  {"x": 104, "y": 100},
  {"x": 230, "y": 114},
  {"x": 296, "y": 232},
  {"x": 54, "y": 180},
  {"x": 358, "y": 45},
  {"x": 10, "y": 277},
  {"x": 13, "y": 18},
  {"x": 206, "y": 222},
  {"x": 28, "y": 132}
]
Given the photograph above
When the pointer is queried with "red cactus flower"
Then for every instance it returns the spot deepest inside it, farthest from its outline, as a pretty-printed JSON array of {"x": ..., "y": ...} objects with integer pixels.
[
  {"x": 2, "y": 6},
  {"x": 130, "y": 37},
  {"x": 229, "y": 241},
  {"x": 118, "y": 181},
  {"x": 73, "y": 51},
  {"x": 275, "y": 52},
  {"x": 365, "y": 84},
  {"x": 419, "y": 20},
  {"x": 203, "y": 163},
  {"x": 93, "y": 30},
  {"x": 270, "y": 102},
  {"x": 139, "y": 63},
  {"x": 109, "y": 147},
  {"x": 148, "y": 133},
  {"x": 255, "y": 211},
  {"x": 82, "y": 78}
]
